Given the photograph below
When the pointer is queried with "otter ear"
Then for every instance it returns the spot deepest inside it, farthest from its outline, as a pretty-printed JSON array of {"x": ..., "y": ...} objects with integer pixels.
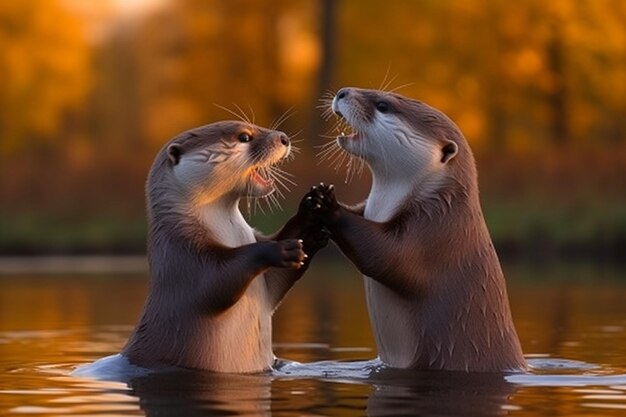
[
  {"x": 448, "y": 151},
  {"x": 174, "y": 152}
]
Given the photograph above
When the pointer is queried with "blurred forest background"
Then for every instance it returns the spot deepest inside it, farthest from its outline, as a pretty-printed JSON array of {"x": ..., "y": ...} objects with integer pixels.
[{"x": 90, "y": 90}]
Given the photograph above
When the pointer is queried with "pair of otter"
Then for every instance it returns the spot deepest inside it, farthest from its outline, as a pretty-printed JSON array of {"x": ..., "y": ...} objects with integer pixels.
[{"x": 435, "y": 291}]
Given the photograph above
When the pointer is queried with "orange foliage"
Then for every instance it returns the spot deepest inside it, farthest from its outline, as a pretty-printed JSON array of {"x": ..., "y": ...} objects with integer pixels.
[{"x": 91, "y": 91}]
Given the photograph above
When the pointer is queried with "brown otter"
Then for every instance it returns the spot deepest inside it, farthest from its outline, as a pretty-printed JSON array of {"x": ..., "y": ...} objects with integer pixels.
[
  {"x": 214, "y": 281},
  {"x": 435, "y": 289}
]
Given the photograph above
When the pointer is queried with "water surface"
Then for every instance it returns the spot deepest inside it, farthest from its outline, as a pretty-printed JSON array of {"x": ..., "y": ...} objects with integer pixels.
[{"x": 571, "y": 320}]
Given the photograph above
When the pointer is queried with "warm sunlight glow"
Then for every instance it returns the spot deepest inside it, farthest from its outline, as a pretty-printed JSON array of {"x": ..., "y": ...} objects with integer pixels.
[{"x": 138, "y": 7}]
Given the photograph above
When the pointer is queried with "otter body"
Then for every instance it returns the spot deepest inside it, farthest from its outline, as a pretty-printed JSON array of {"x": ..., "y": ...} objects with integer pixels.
[
  {"x": 435, "y": 291},
  {"x": 214, "y": 282}
]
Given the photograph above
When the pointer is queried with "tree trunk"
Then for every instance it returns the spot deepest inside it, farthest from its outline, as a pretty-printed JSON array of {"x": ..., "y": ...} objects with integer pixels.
[{"x": 325, "y": 73}]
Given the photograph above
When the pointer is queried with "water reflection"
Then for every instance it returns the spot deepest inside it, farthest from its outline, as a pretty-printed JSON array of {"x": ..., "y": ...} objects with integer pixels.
[
  {"x": 350, "y": 388},
  {"x": 48, "y": 324},
  {"x": 191, "y": 394},
  {"x": 202, "y": 393},
  {"x": 381, "y": 392},
  {"x": 439, "y": 393}
]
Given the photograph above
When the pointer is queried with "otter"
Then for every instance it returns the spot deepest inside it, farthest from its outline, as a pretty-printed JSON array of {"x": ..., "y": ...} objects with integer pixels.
[
  {"x": 435, "y": 290},
  {"x": 214, "y": 281}
]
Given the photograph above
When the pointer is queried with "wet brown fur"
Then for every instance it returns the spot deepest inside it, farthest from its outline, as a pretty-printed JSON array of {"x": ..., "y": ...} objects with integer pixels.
[
  {"x": 435, "y": 289},
  {"x": 210, "y": 303}
]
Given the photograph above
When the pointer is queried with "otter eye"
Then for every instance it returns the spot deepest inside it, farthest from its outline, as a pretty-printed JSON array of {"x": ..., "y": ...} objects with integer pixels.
[
  {"x": 382, "y": 107},
  {"x": 244, "y": 137}
]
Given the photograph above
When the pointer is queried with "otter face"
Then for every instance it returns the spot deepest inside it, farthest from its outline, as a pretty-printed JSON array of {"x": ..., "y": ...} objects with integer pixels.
[
  {"x": 394, "y": 134},
  {"x": 227, "y": 157}
]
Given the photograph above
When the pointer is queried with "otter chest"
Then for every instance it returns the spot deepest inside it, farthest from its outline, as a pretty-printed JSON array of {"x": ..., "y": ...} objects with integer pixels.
[
  {"x": 228, "y": 228},
  {"x": 384, "y": 199}
]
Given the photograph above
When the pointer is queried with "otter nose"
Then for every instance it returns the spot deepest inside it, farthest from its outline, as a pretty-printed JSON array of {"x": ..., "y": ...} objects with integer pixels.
[
  {"x": 343, "y": 93},
  {"x": 283, "y": 139}
]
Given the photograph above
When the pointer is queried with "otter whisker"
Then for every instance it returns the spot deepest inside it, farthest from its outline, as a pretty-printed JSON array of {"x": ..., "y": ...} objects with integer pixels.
[
  {"x": 239, "y": 115},
  {"x": 278, "y": 193},
  {"x": 294, "y": 135},
  {"x": 329, "y": 143},
  {"x": 289, "y": 174},
  {"x": 361, "y": 162},
  {"x": 352, "y": 168},
  {"x": 327, "y": 114},
  {"x": 326, "y": 101},
  {"x": 329, "y": 94},
  {"x": 329, "y": 153},
  {"x": 332, "y": 157},
  {"x": 283, "y": 175},
  {"x": 276, "y": 123},
  {"x": 326, "y": 152},
  {"x": 249, "y": 207},
  {"x": 326, "y": 107},
  {"x": 279, "y": 183},
  {"x": 339, "y": 160},
  {"x": 332, "y": 152},
  {"x": 271, "y": 202},
  {"x": 400, "y": 87},
  {"x": 328, "y": 149},
  {"x": 386, "y": 83},
  {"x": 292, "y": 155},
  {"x": 325, "y": 104},
  {"x": 243, "y": 163},
  {"x": 259, "y": 206},
  {"x": 380, "y": 87},
  {"x": 331, "y": 140},
  {"x": 244, "y": 115},
  {"x": 328, "y": 138},
  {"x": 252, "y": 113},
  {"x": 276, "y": 203},
  {"x": 294, "y": 149}
]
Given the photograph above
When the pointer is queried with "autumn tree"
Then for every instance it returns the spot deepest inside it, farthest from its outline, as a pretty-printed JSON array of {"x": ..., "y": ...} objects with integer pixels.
[{"x": 44, "y": 67}]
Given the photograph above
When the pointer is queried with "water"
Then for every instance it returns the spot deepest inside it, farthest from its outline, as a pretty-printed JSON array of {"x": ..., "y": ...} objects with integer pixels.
[{"x": 571, "y": 321}]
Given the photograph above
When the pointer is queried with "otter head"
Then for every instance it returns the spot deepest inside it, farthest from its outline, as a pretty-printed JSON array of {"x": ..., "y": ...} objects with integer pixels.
[
  {"x": 228, "y": 158},
  {"x": 398, "y": 137}
]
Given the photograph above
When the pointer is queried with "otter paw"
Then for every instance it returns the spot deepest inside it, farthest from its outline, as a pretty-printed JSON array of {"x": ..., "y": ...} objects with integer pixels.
[
  {"x": 315, "y": 238},
  {"x": 327, "y": 195},
  {"x": 321, "y": 237},
  {"x": 320, "y": 200},
  {"x": 290, "y": 253}
]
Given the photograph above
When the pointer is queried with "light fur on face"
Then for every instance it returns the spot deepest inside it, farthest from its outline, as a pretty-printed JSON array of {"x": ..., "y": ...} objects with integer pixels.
[
  {"x": 206, "y": 173},
  {"x": 393, "y": 147},
  {"x": 217, "y": 170}
]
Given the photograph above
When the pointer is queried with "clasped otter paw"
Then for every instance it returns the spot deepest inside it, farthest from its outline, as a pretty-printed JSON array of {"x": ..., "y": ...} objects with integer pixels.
[
  {"x": 288, "y": 253},
  {"x": 320, "y": 202}
]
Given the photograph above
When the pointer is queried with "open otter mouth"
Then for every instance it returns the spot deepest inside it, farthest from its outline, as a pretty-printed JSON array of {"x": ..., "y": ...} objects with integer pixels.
[
  {"x": 344, "y": 125},
  {"x": 350, "y": 136},
  {"x": 260, "y": 177}
]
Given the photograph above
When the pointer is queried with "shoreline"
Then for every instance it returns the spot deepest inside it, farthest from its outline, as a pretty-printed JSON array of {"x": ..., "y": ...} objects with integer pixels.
[
  {"x": 76, "y": 264},
  {"x": 73, "y": 264}
]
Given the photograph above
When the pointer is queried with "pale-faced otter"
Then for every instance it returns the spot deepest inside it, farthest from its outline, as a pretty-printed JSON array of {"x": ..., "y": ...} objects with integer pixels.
[
  {"x": 214, "y": 282},
  {"x": 435, "y": 289}
]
